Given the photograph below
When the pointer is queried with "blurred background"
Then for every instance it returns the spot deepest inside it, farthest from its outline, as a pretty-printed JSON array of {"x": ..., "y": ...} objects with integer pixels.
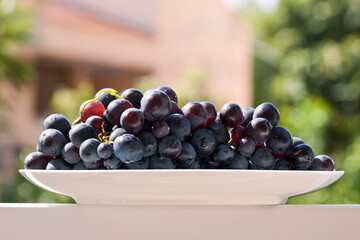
[{"x": 301, "y": 55}]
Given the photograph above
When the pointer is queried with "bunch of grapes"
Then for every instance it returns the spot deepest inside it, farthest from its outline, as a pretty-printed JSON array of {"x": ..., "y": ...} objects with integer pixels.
[{"x": 133, "y": 130}]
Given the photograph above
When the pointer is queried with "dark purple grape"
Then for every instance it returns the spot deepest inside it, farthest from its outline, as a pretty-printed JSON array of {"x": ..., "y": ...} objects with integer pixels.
[
  {"x": 195, "y": 165},
  {"x": 211, "y": 112},
  {"x": 236, "y": 134},
  {"x": 128, "y": 148},
  {"x": 174, "y": 108},
  {"x": 96, "y": 122},
  {"x": 133, "y": 95},
  {"x": 142, "y": 164},
  {"x": 116, "y": 133},
  {"x": 280, "y": 140},
  {"x": 248, "y": 115},
  {"x": 222, "y": 153},
  {"x": 262, "y": 158},
  {"x": 51, "y": 142},
  {"x": 322, "y": 163},
  {"x": 106, "y": 97},
  {"x": 180, "y": 126},
  {"x": 302, "y": 156},
  {"x": 160, "y": 129},
  {"x": 209, "y": 163},
  {"x": 36, "y": 160},
  {"x": 239, "y": 162},
  {"x": 204, "y": 142},
  {"x": 282, "y": 164},
  {"x": 149, "y": 141},
  {"x": 94, "y": 165},
  {"x": 187, "y": 156},
  {"x": 170, "y": 147},
  {"x": 58, "y": 122},
  {"x": 112, "y": 163},
  {"x": 158, "y": 162},
  {"x": 88, "y": 150},
  {"x": 296, "y": 141},
  {"x": 221, "y": 132},
  {"x": 259, "y": 130},
  {"x": 132, "y": 120},
  {"x": 170, "y": 92},
  {"x": 80, "y": 132},
  {"x": 70, "y": 153},
  {"x": 80, "y": 166},
  {"x": 246, "y": 146},
  {"x": 231, "y": 115},
  {"x": 115, "y": 109},
  {"x": 196, "y": 114},
  {"x": 268, "y": 111},
  {"x": 155, "y": 105},
  {"x": 105, "y": 150},
  {"x": 58, "y": 164}
]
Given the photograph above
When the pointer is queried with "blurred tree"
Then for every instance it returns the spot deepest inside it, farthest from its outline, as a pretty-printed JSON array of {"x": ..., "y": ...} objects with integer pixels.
[
  {"x": 15, "y": 29},
  {"x": 307, "y": 61}
]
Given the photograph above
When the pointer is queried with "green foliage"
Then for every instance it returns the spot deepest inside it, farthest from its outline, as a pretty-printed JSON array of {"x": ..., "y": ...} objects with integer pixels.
[
  {"x": 15, "y": 26},
  {"x": 307, "y": 58}
]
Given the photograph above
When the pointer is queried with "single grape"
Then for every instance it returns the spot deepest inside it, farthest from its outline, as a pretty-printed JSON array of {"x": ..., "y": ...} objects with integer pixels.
[
  {"x": 132, "y": 120},
  {"x": 220, "y": 131},
  {"x": 236, "y": 134},
  {"x": 246, "y": 146},
  {"x": 105, "y": 150},
  {"x": 222, "y": 153},
  {"x": 133, "y": 95},
  {"x": 259, "y": 130},
  {"x": 58, "y": 164},
  {"x": 115, "y": 109},
  {"x": 196, "y": 164},
  {"x": 262, "y": 158},
  {"x": 196, "y": 113},
  {"x": 88, "y": 109},
  {"x": 80, "y": 132},
  {"x": 296, "y": 141},
  {"x": 322, "y": 163},
  {"x": 170, "y": 92},
  {"x": 180, "y": 126},
  {"x": 174, "y": 108},
  {"x": 70, "y": 153},
  {"x": 155, "y": 105},
  {"x": 116, "y": 133},
  {"x": 112, "y": 163},
  {"x": 248, "y": 116},
  {"x": 142, "y": 164},
  {"x": 211, "y": 112},
  {"x": 268, "y": 111},
  {"x": 36, "y": 160},
  {"x": 280, "y": 140},
  {"x": 160, "y": 129},
  {"x": 58, "y": 122},
  {"x": 204, "y": 142},
  {"x": 51, "y": 142},
  {"x": 80, "y": 166},
  {"x": 106, "y": 96},
  {"x": 94, "y": 165},
  {"x": 158, "y": 162},
  {"x": 187, "y": 156},
  {"x": 302, "y": 156},
  {"x": 282, "y": 164},
  {"x": 170, "y": 147},
  {"x": 88, "y": 150},
  {"x": 96, "y": 122},
  {"x": 209, "y": 163},
  {"x": 128, "y": 148},
  {"x": 149, "y": 141},
  {"x": 239, "y": 162},
  {"x": 231, "y": 115}
]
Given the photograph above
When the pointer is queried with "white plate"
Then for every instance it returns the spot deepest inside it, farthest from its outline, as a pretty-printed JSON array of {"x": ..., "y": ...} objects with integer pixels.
[{"x": 181, "y": 187}]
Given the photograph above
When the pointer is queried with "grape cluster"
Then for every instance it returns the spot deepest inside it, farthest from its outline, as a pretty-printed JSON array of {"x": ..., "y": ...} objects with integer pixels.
[{"x": 133, "y": 130}]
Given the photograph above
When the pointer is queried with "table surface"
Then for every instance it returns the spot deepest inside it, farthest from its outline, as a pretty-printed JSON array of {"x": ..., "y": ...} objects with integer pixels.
[{"x": 71, "y": 221}]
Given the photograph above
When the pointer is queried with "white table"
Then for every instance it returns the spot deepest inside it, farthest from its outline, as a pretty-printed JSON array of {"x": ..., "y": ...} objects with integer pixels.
[{"x": 71, "y": 221}]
